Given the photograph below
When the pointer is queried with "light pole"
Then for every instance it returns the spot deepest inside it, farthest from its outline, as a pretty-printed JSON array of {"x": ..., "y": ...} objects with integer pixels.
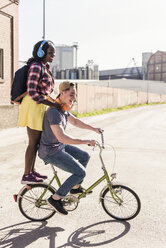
[{"x": 43, "y": 20}]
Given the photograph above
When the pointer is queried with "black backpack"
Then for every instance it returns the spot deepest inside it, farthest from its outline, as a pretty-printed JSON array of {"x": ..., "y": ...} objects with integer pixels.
[{"x": 19, "y": 86}]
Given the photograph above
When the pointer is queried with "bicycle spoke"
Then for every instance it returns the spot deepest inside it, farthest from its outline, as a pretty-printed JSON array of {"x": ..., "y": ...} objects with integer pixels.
[
  {"x": 33, "y": 209},
  {"x": 127, "y": 205},
  {"x": 109, "y": 199}
]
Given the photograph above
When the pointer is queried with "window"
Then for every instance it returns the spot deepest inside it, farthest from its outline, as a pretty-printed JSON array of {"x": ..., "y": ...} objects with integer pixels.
[
  {"x": 157, "y": 67},
  {"x": 1, "y": 63}
]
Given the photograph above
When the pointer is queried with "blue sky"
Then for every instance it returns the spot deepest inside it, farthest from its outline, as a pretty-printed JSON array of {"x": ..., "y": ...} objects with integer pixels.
[{"x": 109, "y": 32}]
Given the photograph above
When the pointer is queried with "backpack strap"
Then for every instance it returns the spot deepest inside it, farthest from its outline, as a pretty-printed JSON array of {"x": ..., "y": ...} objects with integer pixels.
[{"x": 17, "y": 100}]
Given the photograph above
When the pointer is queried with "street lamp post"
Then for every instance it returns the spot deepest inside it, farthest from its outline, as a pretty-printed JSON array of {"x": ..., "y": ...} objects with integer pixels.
[{"x": 43, "y": 20}]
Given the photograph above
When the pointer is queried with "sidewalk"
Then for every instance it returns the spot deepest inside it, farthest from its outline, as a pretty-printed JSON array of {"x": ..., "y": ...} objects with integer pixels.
[{"x": 12, "y": 136}]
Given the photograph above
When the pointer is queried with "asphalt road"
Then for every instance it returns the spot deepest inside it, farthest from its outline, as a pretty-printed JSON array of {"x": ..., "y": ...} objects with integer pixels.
[{"x": 139, "y": 138}]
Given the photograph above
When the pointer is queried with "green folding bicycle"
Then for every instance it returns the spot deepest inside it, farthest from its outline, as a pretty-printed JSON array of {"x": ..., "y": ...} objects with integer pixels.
[{"x": 118, "y": 201}]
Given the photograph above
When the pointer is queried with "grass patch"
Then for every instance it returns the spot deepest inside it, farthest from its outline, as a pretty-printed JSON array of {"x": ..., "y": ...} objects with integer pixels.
[{"x": 108, "y": 110}]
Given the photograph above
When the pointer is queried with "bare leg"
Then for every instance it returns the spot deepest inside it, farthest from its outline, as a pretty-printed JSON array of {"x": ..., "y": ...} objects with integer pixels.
[{"x": 30, "y": 155}]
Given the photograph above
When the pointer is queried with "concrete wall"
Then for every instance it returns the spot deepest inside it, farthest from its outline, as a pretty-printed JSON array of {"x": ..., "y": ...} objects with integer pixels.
[
  {"x": 147, "y": 86},
  {"x": 92, "y": 98},
  {"x": 8, "y": 116},
  {"x": 127, "y": 84}
]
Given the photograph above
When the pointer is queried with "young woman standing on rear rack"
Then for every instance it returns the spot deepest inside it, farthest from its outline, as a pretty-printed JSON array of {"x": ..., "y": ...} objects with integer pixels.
[{"x": 34, "y": 103}]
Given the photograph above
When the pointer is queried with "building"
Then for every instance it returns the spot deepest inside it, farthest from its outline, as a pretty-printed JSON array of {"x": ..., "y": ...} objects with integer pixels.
[
  {"x": 66, "y": 57},
  {"x": 153, "y": 68},
  {"x": 64, "y": 65},
  {"x": 133, "y": 72},
  {"x": 156, "y": 67},
  {"x": 128, "y": 73},
  {"x": 8, "y": 52},
  {"x": 8, "y": 47},
  {"x": 87, "y": 73}
]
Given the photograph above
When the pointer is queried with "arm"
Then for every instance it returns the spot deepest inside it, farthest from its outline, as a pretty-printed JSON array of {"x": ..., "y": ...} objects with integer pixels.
[
  {"x": 48, "y": 103},
  {"x": 65, "y": 139},
  {"x": 78, "y": 123},
  {"x": 32, "y": 83}
]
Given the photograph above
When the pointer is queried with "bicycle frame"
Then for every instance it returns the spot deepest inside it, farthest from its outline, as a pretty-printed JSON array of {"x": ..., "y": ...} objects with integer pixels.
[
  {"x": 33, "y": 204},
  {"x": 105, "y": 177}
]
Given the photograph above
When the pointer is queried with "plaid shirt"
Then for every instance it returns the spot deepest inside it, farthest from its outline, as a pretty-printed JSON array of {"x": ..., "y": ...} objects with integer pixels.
[{"x": 39, "y": 88}]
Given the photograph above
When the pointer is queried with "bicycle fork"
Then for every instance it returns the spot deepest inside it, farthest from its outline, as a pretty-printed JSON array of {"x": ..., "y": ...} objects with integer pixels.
[{"x": 116, "y": 198}]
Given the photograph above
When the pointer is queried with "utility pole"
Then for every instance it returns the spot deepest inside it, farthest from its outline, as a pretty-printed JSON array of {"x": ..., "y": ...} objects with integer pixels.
[{"x": 44, "y": 23}]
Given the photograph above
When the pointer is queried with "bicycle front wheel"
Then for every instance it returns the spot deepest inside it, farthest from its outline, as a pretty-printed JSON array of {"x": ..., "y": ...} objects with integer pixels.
[
  {"x": 122, "y": 204},
  {"x": 30, "y": 204}
]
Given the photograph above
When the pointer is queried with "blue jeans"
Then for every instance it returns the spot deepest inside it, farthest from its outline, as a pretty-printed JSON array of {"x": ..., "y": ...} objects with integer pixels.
[{"x": 66, "y": 160}]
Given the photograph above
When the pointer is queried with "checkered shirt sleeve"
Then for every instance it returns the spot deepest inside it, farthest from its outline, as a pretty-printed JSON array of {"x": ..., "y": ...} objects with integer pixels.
[{"x": 33, "y": 83}]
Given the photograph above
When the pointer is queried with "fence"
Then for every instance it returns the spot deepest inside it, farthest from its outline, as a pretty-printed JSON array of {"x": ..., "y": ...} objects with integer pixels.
[{"x": 92, "y": 97}]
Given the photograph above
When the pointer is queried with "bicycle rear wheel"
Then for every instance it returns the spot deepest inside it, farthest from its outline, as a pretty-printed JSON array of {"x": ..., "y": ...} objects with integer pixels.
[
  {"x": 29, "y": 203},
  {"x": 123, "y": 205}
]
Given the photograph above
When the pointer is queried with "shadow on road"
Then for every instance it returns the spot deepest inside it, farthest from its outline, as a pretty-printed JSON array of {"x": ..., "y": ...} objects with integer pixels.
[
  {"x": 20, "y": 235},
  {"x": 97, "y": 234}
]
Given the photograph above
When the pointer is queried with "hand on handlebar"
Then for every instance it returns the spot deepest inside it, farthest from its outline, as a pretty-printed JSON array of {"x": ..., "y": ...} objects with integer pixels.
[
  {"x": 98, "y": 130},
  {"x": 91, "y": 142}
]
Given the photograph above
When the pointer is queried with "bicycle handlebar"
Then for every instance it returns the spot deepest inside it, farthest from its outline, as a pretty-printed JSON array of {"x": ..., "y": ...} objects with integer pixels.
[{"x": 102, "y": 138}]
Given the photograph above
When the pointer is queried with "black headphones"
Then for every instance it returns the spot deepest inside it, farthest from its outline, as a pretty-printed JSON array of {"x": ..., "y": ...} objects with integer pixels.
[{"x": 40, "y": 52}]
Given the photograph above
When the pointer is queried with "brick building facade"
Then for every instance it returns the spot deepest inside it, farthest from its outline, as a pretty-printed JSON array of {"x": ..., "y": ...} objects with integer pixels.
[{"x": 8, "y": 55}]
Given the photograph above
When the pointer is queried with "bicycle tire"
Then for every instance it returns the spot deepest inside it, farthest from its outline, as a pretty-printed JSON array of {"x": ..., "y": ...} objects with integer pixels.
[
  {"x": 29, "y": 206},
  {"x": 128, "y": 209}
]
